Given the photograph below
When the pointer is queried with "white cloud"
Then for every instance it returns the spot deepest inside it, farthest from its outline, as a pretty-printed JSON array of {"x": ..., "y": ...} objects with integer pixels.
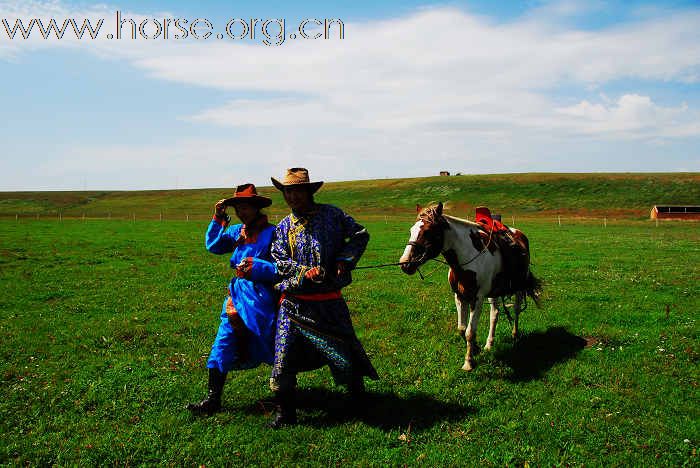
[
  {"x": 631, "y": 116},
  {"x": 434, "y": 68},
  {"x": 437, "y": 83},
  {"x": 275, "y": 113}
]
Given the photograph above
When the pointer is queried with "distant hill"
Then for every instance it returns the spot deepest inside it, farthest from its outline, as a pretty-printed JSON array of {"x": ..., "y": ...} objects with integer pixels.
[{"x": 629, "y": 195}]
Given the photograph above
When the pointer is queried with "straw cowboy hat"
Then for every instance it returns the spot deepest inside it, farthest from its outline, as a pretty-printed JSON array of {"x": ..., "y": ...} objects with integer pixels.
[
  {"x": 247, "y": 193},
  {"x": 296, "y": 176}
]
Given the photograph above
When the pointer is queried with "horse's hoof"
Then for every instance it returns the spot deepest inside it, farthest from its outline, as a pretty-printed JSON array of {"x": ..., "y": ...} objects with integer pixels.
[
  {"x": 487, "y": 348},
  {"x": 468, "y": 366}
]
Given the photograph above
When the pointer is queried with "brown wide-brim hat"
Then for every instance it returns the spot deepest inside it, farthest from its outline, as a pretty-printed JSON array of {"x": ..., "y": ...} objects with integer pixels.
[
  {"x": 247, "y": 193},
  {"x": 296, "y": 177}
]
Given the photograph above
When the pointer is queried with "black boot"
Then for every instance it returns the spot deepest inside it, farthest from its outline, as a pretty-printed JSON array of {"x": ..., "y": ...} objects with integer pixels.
[
  {"x": 357, "y": 387},
  {"x": 357, "y": 394},
  {"x": 212, "y": 403},
  {"x": 285, "y": 410}
]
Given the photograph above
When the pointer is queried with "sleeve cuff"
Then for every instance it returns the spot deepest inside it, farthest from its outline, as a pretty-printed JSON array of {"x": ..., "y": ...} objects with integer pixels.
[{"x": 223, "y": 221}]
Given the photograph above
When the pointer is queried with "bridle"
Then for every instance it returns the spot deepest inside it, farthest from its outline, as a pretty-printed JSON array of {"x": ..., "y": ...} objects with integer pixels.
[
  {"x": 427, "y": 250},
  {"x": 424, "y": 250}
]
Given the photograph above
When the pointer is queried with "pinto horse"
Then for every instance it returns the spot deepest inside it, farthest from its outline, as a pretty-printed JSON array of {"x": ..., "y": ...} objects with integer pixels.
[{"x": 476, "y": 270}]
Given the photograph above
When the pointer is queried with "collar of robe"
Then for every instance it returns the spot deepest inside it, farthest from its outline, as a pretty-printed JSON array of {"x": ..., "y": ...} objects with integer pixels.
[
  {"x": 303, "y": 218},
  {"x": 249, "y": 232}
]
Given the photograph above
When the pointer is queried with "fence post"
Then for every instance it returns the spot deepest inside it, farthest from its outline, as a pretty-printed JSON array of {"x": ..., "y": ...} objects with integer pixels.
[
  {"x": 16, "y": 217},
  {"x": 83, "y": 217},
  {"x": 513, "y": 221},
  {"x": 559, "y": 220},
  {"x": 187, "y": 217},
  {"x": 605, "y": 222},
  {"x": 161, "y": 217}
]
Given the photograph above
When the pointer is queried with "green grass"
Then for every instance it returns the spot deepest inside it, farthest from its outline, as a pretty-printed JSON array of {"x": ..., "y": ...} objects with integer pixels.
[
  {"x": 599, "y": 195},
  {"x": 105, "y": 327}
]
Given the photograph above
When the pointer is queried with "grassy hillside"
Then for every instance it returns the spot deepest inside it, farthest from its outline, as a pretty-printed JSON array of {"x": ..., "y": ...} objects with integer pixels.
[{"x": 619, "y": 195}]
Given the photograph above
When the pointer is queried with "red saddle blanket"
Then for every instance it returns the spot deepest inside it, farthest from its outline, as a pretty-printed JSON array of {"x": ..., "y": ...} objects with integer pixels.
[
  {"x": 483, "y": 217},
  {"x": 515, "y": 252},
  {"x": 501, "y": 232}
]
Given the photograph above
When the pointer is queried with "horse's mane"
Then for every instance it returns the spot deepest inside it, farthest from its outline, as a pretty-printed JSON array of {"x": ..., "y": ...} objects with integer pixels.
[
  {"x": 464, "y": 222},
  {"x": 430, "y": 215}
]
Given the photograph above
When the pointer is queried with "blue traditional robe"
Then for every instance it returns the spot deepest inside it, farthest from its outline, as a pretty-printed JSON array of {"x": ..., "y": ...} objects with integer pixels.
[
  {"x": 252, "y": 299},
  {"x": 313, "y": 324}
]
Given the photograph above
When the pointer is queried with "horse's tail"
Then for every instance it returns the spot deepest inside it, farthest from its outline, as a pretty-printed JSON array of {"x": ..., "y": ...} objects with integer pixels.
[{"x": 533, "y": 288}]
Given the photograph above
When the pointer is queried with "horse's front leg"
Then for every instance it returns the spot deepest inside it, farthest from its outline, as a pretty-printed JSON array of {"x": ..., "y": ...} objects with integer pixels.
[
  {"x": 493, "y": 320},
  {"x": 470, "y": 334},
  {"x": 462, "y": 311}
]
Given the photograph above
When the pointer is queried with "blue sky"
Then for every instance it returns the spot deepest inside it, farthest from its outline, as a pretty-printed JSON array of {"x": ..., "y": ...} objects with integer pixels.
[{"x": 412, "y": 89}]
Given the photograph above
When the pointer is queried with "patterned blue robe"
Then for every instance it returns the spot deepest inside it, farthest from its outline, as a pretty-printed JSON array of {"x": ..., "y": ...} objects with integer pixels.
[
  {"x": 314, "y": 333},
  {"x": 254, "y": 299}
]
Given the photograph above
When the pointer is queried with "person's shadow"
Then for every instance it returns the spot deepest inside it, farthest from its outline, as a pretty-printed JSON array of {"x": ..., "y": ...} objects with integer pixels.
[
  {"x": 533, "y": 354},
  {"x": 530, "y": 357},
  {"x": 321, "y": 407}
]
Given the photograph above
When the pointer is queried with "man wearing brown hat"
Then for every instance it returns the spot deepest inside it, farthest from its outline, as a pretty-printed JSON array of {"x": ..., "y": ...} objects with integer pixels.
[
  {"x": 314, "y": 248},
  {"x": 245, "y": 338}
]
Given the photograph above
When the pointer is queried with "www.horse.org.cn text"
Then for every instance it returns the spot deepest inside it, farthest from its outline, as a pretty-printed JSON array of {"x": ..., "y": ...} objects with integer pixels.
[{"x": 271, "y": 32}]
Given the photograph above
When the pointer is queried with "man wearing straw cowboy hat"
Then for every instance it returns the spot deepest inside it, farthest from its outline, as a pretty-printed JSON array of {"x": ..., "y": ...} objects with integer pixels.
[{"x": 314, "y": 248}]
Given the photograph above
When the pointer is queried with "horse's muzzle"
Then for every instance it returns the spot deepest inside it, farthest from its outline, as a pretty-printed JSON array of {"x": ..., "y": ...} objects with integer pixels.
[{"x": 409, "y": 267}]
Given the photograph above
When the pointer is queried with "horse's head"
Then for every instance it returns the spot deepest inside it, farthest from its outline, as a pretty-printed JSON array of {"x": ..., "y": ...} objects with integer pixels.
[{"x": 427, "y": 239}]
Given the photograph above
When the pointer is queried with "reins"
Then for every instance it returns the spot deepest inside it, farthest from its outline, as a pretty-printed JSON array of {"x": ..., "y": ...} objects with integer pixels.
[
  {"x": 460, "y": 265},
  {"x": 486, "y": 247},
  {"x": 415, "y": 244},
  {"x": 506, "y": 310},
  {"x": 381, "y": 265}
]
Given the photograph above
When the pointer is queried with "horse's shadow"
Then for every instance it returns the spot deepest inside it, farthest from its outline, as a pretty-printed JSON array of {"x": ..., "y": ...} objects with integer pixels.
[
  {"x": 320, "y": 407},
  {"x": 535, "y": 353}
]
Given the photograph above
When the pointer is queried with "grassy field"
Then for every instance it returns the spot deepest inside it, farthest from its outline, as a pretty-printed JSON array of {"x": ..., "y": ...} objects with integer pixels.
[
  {"x": 105, "y": 327},
  {"x": 598, "y": 195}
]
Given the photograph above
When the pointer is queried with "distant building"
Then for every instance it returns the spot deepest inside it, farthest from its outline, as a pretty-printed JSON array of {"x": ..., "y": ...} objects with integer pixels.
[
  {"x": 444, "y": 173},
  {"x": 675, "y": 212}
]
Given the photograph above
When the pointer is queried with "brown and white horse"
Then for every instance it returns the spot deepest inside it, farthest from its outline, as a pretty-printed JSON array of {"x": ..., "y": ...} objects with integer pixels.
[{"x": 476, "y": 270}]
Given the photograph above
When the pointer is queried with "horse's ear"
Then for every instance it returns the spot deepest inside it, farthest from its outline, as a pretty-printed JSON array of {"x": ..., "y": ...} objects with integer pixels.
[{"x": 438, "y": 209}]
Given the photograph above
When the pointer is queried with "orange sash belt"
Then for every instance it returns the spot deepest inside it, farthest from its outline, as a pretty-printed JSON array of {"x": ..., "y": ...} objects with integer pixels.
[{"x": 326, "y": 296}]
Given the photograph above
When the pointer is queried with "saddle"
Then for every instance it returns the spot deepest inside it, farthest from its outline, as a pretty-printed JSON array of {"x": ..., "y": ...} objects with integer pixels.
[{"x": 515, "y": 251}]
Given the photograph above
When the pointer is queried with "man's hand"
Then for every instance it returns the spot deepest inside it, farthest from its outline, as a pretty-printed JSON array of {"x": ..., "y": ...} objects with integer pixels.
[
  {"x": 315, "y": 274},
  {"x": 220, "y": 209},
  {"x": 244, "y": 268},
  {"x": 341, "y": 268}
]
